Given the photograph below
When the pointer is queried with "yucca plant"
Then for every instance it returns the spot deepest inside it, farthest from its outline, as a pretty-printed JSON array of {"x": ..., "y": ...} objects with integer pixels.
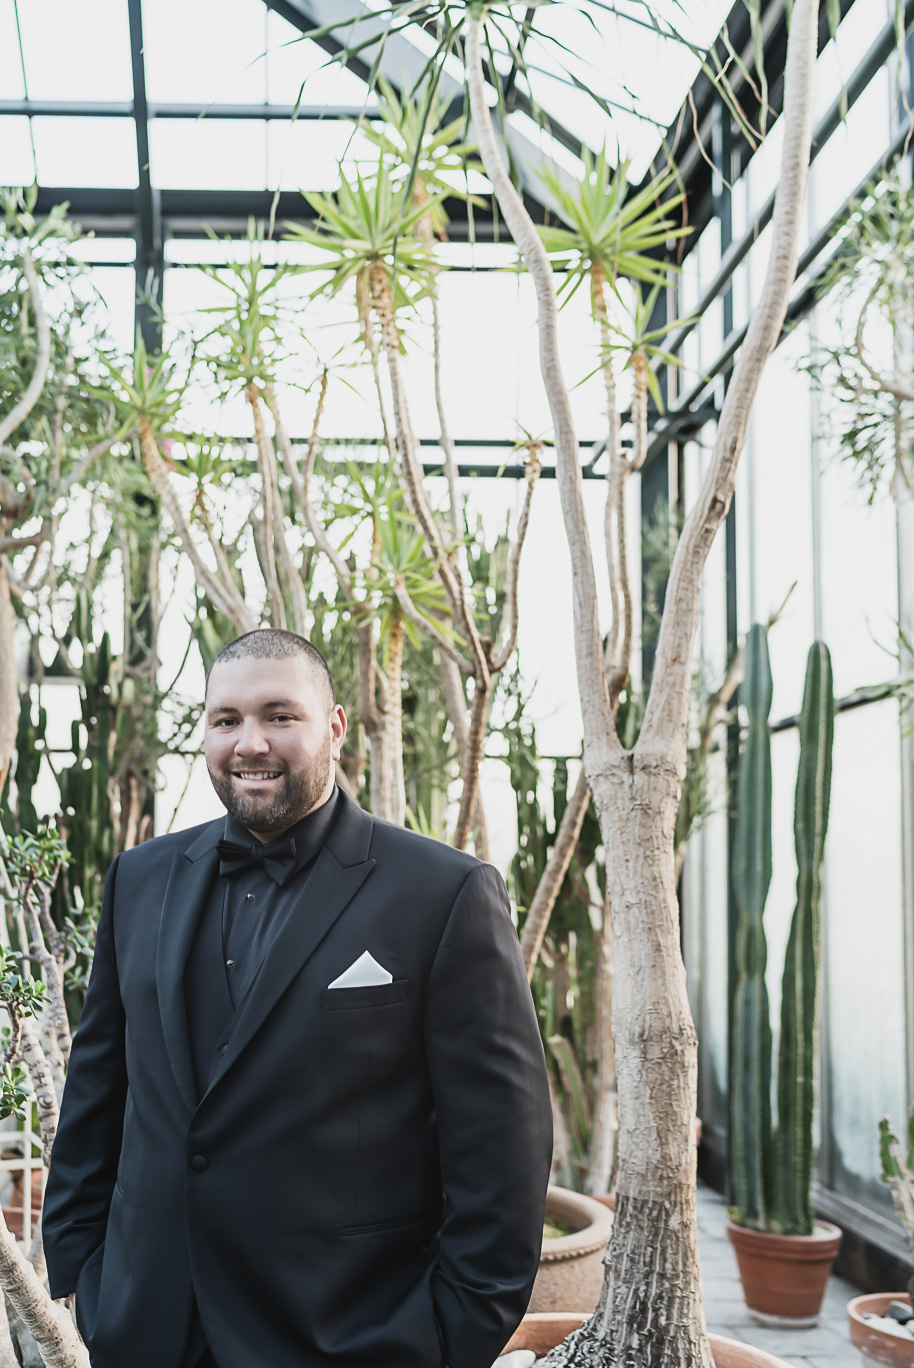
[{"x": 366, "y": 236}]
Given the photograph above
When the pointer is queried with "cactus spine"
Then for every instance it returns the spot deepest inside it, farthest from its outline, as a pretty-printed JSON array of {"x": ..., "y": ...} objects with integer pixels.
[
  {"x": 750, "y": 1091},
  {"x": 796, "y": 1048}
]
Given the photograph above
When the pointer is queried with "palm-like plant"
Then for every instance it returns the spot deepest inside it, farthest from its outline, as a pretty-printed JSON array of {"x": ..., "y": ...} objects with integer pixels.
[{"x": 366, "y": 236}]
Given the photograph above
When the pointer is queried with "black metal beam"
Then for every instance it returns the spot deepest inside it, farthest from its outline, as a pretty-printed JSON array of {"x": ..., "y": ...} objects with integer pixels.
[
  {"x": 688, "y": 139},
  {"x": 859, "y": 80},
  {"x": 119, "y": 109},
  {"x": 799, "y": 306},
  {"x": 150, "y": 257},
  {"x": 113, "y": 212}
]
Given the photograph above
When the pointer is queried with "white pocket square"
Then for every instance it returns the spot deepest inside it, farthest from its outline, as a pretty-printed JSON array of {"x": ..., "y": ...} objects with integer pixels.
[{"x": 364, "y": 973}]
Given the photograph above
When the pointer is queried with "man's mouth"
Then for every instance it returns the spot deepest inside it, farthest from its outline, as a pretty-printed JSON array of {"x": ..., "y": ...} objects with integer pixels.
[{"x": 256, "y": 776}]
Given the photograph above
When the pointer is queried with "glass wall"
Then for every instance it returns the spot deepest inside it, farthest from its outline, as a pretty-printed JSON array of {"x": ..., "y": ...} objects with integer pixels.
[{"x": 814, "y": 549}]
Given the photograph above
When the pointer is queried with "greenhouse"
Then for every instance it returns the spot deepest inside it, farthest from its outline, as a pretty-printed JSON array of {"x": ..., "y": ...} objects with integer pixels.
[{"x": 456, "y": 681}]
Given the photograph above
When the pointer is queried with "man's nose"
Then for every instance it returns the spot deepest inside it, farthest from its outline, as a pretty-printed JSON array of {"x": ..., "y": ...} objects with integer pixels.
[{"x": 251, "y": 740}]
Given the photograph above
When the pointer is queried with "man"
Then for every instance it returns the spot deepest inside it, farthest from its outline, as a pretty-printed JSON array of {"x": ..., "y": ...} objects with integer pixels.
[{"x": 306, "y": 1121}]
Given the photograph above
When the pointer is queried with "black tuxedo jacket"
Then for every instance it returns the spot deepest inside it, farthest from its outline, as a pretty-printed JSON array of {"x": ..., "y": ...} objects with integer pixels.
[{"x": 362, "y": 1183}]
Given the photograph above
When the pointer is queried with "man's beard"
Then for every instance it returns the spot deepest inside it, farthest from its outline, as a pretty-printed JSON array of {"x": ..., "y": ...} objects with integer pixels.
[{"x": 293, "y": 798}]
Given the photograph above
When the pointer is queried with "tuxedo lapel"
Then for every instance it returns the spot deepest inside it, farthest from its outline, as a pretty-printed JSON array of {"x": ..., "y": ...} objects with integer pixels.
[
  {"x": 338, "y": 874},
  {"x": 185, "y": 898}
]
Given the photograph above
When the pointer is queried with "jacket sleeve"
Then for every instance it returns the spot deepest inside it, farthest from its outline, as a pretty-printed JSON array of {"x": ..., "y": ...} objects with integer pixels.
[
  {"x": 87, "y": 1146},
  {"x": 494, "y": 1124}
]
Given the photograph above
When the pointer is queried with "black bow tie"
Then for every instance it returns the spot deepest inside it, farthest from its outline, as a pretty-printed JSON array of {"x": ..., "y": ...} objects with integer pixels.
[{"x": 277, "y": 858}]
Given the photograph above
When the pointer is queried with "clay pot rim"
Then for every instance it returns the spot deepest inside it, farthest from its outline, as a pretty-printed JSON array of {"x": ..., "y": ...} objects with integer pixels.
[
  {"x": 727, "y": 1353},
  {"x": 591, "y": 1237},
  {"x": 771, "y": 1244},
  {"x": 855, "y": 1307}
]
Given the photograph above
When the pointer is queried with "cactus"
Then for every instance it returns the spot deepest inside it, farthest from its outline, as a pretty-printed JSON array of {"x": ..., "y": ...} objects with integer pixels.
[
  {"x": 796, "y": 1048},
  {"x": 771, "y": 1172},
  {"x": 898, "y": 1172},
  {"x": 750, "y": 1095}
]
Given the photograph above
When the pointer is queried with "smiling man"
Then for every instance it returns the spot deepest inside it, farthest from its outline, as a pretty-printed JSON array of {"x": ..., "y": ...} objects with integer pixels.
[{"x": 306, "y": 1121}]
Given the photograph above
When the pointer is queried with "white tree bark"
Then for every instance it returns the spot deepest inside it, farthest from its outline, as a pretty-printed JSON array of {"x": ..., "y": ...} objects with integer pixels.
[{"x": 650, "y": 1312}]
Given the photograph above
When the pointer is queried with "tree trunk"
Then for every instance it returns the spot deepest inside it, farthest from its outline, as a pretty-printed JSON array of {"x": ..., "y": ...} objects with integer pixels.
[
  {"x": 394, "y": 674},
  {"x": 602, "y": 1157},
  {"x": 650, "y": 1312},
  {"x": 553, "y": 876},
  {"x": 8, "y": 1357},
  {"x": 9, "y": 684},
  {"x": 47, "y": 1320}
]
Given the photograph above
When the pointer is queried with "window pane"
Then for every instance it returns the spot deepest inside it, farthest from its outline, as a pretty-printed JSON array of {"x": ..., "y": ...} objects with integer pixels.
[
  {"x": 17, "y": 165},
  {"x": 863, "y": 944},
  {"x": 196, "y": 50},
  {"x": 96, "y": 152},
  {"x": 208, "y": 154},
  {"x": 11, "y": 87},
  {"x": 77, "y": 52}
]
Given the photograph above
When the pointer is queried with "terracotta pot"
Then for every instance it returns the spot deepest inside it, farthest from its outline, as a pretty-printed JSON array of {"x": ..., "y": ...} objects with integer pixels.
[
  {"x": 878, "y": 1346},
  {"x": 542, "y": 1333},
  {"x": 571, "y": 1267},
  {"x": 784, "y": 1276},
  {"x": 14, "y": 1214}
]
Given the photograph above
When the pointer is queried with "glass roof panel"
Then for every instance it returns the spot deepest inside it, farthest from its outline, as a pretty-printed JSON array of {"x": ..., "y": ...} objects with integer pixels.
[
  {"x": 76, "y": 53},
  {"x": 307, "y": 154},
  {"x": 17, "y": 166},
  {"x": 292, "y": 60},
  {"x": 205, "y": 51},
  {"x": 623, "y": 60},
  {"x": 208, "y": 154},
  {"x": 11, "y": 87},
  {"x": 97, "y": 152}
]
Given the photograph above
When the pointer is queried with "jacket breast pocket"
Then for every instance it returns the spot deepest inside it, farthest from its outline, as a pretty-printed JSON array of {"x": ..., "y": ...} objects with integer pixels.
[{"x": 375, "y": 995}]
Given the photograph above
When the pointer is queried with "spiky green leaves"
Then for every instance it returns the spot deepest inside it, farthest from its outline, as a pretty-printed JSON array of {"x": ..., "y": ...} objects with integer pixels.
[
  {"x": 624, "y": 234},
  {"x": 365, "y": 224}
]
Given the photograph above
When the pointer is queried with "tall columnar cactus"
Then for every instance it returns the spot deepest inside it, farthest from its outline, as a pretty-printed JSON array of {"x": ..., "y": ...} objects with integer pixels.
[
  {"x": 796, "y": 1049},
  {"x": 750, "y": 1084}
]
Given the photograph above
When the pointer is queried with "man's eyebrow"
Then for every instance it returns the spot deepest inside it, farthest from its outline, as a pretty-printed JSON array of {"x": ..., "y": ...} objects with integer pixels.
[{"x": 288, "y": 703}]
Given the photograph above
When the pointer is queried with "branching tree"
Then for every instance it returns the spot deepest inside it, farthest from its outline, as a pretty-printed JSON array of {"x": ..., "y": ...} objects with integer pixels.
[{"x": 650, "y": 1310}]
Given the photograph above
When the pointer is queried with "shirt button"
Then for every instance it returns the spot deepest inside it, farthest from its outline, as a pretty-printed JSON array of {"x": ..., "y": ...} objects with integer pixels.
[
  {"x": 250, "y": 897},
  {"x": 229, "y": 964},
  {"x": 199, "y": 1163}
]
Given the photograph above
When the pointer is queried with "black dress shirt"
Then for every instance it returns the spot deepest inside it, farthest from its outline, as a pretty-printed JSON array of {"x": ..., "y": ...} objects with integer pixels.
[{"x": 254, "y": 907}]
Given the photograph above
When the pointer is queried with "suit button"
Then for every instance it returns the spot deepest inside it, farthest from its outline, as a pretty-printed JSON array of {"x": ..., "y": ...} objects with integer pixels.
[{"x": 199, "y": 1163}]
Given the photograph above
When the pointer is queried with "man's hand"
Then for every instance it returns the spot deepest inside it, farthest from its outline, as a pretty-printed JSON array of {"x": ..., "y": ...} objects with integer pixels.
[{"x": 71, "y": 1304}]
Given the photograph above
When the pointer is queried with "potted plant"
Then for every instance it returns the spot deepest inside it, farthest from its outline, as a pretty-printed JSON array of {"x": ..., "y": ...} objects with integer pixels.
[
  {"x": 881, "y": 1325},
  {"x": 784, "y": 1256},
  {"x": 576, "y": 1233}
]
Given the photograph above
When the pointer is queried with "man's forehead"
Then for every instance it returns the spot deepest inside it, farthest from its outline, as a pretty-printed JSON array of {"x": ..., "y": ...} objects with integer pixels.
[{"x": 252, "y": 682}]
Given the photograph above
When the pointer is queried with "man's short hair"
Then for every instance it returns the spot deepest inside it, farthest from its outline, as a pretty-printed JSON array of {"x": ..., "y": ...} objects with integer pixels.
[{"x": 273, "y": 643}]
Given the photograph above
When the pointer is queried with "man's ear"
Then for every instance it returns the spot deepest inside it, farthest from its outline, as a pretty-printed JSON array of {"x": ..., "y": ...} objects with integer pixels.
[{"x": 338, "y": 726}]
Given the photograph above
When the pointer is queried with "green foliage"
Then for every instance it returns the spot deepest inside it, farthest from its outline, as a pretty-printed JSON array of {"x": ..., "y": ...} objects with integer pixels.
[
  {"x": 772, "y": 1172},
  {"x": 867, "y": 379},
  {"x": 610, "y": 229},
  {"x": 424, "y": 149},
  {"x": 898, "y": 1171},
  {"x": 15, "y": 1092},
  {"x": 366, "y": 225},
  {"x": 36, "y": 857}
]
